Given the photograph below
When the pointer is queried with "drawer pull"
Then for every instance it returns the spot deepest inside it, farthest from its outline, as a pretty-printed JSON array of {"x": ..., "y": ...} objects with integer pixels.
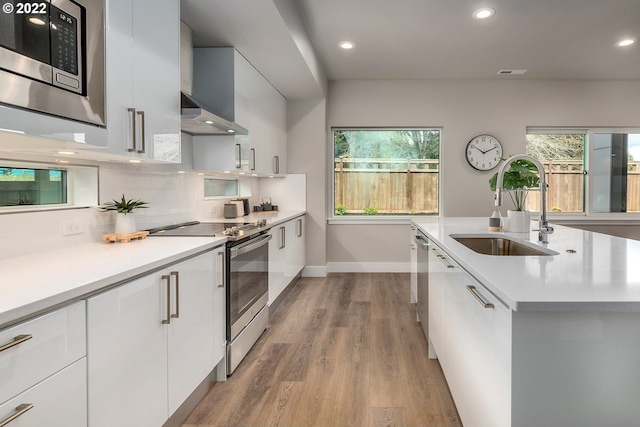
[
  {"x": 17, "y": 340},
  {"x": 475, "y": 293},
  {"x": 20, "y": 409}
]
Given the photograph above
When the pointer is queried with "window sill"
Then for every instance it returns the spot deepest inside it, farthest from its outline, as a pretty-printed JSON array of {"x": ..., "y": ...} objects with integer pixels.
[{"x": 375, "y": 219}]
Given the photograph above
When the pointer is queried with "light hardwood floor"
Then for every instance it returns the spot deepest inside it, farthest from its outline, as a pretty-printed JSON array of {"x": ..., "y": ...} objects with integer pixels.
[{"x": 344, "y": 350}]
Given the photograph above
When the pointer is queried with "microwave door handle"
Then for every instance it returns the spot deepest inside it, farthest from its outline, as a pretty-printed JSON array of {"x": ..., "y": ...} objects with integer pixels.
[{"x": 239, "y": 250}]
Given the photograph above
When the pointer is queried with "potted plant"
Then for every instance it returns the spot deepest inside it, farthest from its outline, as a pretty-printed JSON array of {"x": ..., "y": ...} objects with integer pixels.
[
  {"x": 521, "y": 177},
  {"x": 125, "y": 220}
]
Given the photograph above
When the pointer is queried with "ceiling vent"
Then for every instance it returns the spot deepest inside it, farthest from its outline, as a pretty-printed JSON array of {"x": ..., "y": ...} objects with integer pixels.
[{"x": 511, "y": 72}]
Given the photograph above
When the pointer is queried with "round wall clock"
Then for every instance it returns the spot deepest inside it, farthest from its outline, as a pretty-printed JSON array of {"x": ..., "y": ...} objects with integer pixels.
[{"x": 483, "y": 152}]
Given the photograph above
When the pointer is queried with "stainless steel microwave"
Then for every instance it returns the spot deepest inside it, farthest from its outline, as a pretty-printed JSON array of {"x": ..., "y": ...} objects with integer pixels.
[{"x": 52, "y": 58}]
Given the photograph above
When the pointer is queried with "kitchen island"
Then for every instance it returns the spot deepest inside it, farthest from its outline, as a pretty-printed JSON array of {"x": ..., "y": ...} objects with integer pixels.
[{"x": 536, "y": 340}]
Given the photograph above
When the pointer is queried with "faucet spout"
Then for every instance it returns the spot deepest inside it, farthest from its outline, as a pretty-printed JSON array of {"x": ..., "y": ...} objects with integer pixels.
[{"x": 544, "y": 229}]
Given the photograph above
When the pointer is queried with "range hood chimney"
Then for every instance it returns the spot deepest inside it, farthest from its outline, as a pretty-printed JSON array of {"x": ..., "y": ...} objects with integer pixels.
[{"x": 196, "y": 117}]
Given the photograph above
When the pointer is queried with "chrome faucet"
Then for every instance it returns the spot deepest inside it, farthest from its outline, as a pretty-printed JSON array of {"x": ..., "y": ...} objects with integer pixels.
[{"x": 544, "y": 229}]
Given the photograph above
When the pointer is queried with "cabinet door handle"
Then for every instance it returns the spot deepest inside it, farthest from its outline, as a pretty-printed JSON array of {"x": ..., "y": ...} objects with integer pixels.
[
  {"x": 276, "y": 164},
  {"x": 283, "y": 243},
  {"x": 167, "y": 279},
  {"x": 253, "y": 159},
  {"x": 177, "y": 276},
  {"x": 17, "y": 340},
  {"x": 221, "y": 257},
  {"x": 20, "y": 410},
  {"x": 142, "y": 132},
  {"x": 134, "y": 134},
  {"x": 481, "y": 300},
  {"x": 238, "y": 156},
  {"x": 299, "y": 224},
  {"x": 445, "y": 261}
]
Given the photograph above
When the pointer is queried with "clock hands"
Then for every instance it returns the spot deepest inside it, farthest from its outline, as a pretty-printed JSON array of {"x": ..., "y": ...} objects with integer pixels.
[{"x": 485, "y": 152}]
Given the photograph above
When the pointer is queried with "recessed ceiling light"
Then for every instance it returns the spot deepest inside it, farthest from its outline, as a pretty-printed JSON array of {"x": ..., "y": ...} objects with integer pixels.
[
  {"x": 347, "y": 44},
  {"x": 69, "y": 153},
  {"x": 484, "y": 13},
  {"x": 626, "y": 42},
  {"x": 231, "y": 131},
  {"x": 135, "y": 161}
]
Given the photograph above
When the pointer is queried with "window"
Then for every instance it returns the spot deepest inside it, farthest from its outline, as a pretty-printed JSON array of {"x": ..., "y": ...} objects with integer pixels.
[
  {"x": 386, "y": 171},
  {"x": 220, "y": 187},
  {"x": 22, "y": 186},
  {"x": 214, "y": 187},
  {"x": 592, "y": 171},
  {"x": 562, "y": 154},
  {"x": 29, "y": 186}
]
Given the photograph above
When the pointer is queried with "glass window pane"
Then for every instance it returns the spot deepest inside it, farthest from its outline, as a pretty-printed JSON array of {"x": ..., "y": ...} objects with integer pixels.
[
  {"x": 562, "y": 155},
  {"x": 386, "y": 171},
  {"x": 615, "y": 173},
  {"x": 26, "y": 186},
  {"x": 220, "y": 187}
]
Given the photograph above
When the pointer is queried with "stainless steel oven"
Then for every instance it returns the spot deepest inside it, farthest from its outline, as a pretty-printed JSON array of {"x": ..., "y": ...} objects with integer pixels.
[
  {"x": 246, "y": 280},
  {"x": 247, "y": 295},
  {"x": 52, "y": 57}
]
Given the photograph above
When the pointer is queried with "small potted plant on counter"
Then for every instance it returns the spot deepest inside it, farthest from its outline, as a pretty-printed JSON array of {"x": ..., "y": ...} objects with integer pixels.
[
  {"x": 521, "y": 177},
  {"x": 125, "y": 220}
]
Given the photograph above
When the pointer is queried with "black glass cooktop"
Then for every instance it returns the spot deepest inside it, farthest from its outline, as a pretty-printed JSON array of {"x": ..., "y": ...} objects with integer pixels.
[{"x": 207, "y": 229}]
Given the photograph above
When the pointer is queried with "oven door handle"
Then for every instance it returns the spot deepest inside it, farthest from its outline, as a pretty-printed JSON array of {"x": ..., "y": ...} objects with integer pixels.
[{"x": 251, "y": 245}]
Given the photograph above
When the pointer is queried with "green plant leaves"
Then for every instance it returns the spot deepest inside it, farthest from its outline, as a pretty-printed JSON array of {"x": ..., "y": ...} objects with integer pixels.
[{"x": 123, "y": 205}]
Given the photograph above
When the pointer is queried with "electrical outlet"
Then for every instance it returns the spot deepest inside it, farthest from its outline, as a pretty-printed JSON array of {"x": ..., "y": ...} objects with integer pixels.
[{"x": 71, "y": 227}]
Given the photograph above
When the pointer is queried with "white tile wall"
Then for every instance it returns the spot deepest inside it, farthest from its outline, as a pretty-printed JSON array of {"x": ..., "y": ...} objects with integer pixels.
[{"x": 173, "y": 197}]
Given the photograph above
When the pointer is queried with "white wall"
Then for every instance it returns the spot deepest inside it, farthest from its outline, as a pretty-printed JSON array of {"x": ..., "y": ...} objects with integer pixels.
[
  {"x": 306, "y": 153},
  {"x": 464, "y": 109}
]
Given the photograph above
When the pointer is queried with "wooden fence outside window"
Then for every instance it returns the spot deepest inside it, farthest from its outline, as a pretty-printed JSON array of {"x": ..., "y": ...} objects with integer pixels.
[{"x": 410, "y": 186}]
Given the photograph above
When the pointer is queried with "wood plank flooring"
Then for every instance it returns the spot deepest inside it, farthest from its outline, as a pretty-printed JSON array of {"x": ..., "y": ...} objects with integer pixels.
[{"x": 340, "y": 351}]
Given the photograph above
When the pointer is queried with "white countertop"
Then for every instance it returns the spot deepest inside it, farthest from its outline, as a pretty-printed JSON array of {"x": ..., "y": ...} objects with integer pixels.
[
  {"x": 39, "y": 282},
  {"x": 36, "y": 283},
  {"x": 602, "y": 275}
]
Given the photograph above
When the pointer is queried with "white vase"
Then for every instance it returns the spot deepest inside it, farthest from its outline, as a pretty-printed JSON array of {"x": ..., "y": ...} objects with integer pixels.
[
  {"x": 125, "y": 223},
  {"x": 519, "y": 221}
]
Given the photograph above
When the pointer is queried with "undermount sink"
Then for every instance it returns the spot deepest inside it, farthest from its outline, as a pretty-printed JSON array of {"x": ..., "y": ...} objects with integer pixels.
[{"x": 501, "y": 246}]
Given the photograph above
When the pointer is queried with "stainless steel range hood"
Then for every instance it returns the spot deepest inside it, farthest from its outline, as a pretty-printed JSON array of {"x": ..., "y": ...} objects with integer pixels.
[{"x": 197, "y": 119}]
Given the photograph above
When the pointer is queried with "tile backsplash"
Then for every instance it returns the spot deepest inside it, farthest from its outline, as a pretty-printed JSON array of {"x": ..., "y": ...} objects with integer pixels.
[{"x": 173, "y": 197}]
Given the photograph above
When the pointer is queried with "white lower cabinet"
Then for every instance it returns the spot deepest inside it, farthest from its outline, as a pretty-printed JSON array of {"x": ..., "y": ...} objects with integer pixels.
[
  {"x": 295, "y": 249},
  {"x": 286, "y": 255},
  {"x": 42, "y": 360},
  {"x": 151, "y": 342},
  {"x": 470, "y": 331},
  {"x": 60, "y": 400}
]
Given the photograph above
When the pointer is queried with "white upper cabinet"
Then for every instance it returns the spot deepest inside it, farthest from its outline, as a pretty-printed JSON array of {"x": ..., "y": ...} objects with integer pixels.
[
  {"x": 143, "y": 78},
  {"x": 225, "y": 81}
]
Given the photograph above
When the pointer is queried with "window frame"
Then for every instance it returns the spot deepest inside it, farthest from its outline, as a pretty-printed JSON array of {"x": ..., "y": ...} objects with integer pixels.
[
  {"x": 75, "y": 199},
  {"x": 376, "y": 219},
  {"x": 589, "y": 215}
]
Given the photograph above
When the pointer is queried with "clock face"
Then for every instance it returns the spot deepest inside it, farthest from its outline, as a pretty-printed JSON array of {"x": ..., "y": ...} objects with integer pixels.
[{"x": 483, "y": 152}]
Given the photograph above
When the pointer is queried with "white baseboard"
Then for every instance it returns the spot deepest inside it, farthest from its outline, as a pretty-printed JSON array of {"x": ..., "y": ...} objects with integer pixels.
[
  {"x": 368, "y": 267},
  {"x": 314, "y": 271}
]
